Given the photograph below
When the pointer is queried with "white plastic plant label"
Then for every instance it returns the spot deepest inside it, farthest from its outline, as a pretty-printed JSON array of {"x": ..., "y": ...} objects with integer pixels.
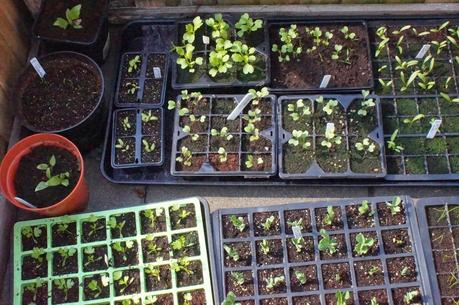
[
  {"x": 38, "y": 67},
  {"x": 325, "y": 81},
  {"x": 434, "y": 129},
  {"x": 242, "y": 104},
  {"x": 329, "y": 128},
  {"x": 296, "y": 231},
  {"x": 157, "y": 72},
  {"x": 423, "y": 51},
  {"x": 205, "y": 39}
]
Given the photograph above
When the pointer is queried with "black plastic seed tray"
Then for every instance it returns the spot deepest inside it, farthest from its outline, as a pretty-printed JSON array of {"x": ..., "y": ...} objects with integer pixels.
[
  {"x": 439, "y": 226},
  {"x": 331, "y": 87},
  {"x": 152, "y": 132},
  {"x": 201, "y": 79},
  {"x": 143, "y": 87},
  {"x": 207, "y": 155},
  {"x": 352, "y": 132},
  {"x": 318, "y": 292}
]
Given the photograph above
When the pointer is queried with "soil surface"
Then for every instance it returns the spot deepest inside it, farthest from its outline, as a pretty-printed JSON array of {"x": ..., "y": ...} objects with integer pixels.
[
  {"x": 38, "y": 298},
  {"x": 264, "y": 275},
  {"x": 306, "y": 71},
  {"x": 398, "y": 293},
  {"x": 128, "y": 258},
  {"x": 396, "y": 241},
  {"x": 67, "y": 266},
  {"x": 310, "y": 299},
  {"x": 336, "y": 224},
  {"x": 32, "y": 268},
  {"x": 28, "y": 243},
  {"x": 365, "y": 297},
  {"x": 152, "y": 91},
  {"x": 191, "y": 247},
  {"x": 125, "y": 66},
  {"x": 275, "y": 254},
  {"x": 196, "y": 163},
  {"x": 133, "y": 287},
  {"x": 155, "y": 60},
  {"x": 94, "y": 231},
  {"x": 97, "y": 260},
  {"x": 357, "y": 220},
  {"x": 387, "y": 219},
  {"x": 178, "y": 223},
  {"x": 152, "y": 127},
  {"x": 91, "y": 295},
  {"x": 230, "y": 165},
  {"x": 67, "y": 94},
  {"x": 369, "y": 273},
  {"x": 240, "y": 290},
  {"x": 164, "y": 281},
  {"x": 90, "y": 14},
  {"x": 244, "y": 252},
  {"x": 129, "y": 227},
  {"x": 305, "y": 255},
  {"x": 330, "y": 299},
  {"x": 230, "y": 231},
  {"x": 303, "y": 216},
  {"x": 158, "y": 224},
  {"x": 151, "y": 156},
  {"x": 402, "y": 269},
  {"x": 311, "y": 282},
  {"x": 373, "y": 250},
  {"x": 264, "y": 218},
  {"x": 336, "y": 276},
  {"x": 155, "y": 249},
  {"x": 340, "y": 247},
  {"x": 59, "y": 296},
  {"x": 198, "y": 297},
  {"x": 123, "y": 130},
  {"x": 64, "y": 234},
  {"x": 194, "y": 278},
  {"x": 28, "y": 176},
  {"x": 127, "y": 156}
]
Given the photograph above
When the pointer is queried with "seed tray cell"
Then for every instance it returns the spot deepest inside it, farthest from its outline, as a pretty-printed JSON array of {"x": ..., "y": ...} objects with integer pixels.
[
  {"x": 321, "y": 290},
  {"x": 132, "y": 232}
]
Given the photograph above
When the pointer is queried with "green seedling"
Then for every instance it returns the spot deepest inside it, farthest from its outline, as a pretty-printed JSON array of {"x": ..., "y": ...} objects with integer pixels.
[
  {"x": 301, "y": 277},
  {"x": 245, "y": 55},
  {"x": 126, "y": 124},
  {"x": 219, "y": 58},
  {"x": 395, "y": 206},
  {"x": 182, "y": 265},
  {"x": 414, "y": 119},
  {"x": 299, "y": 244},
  {"x": 250, "y": 162},
  {"x": 367, "y": 103},
  {"x": 94, "y": 286},
  {"x": 148, "y": 147},
  {"x": 151, "y": 300},
  {"x": 364, "y": 208},
  {"x": 300, "y": 138},
  {"x": 348, "y": 34},
  {"x": 319, "y": 39},
  {"x": 152, "y": 215},
  {"x": 182, "y": 214},
  {"x": 449, "y": 99},
  {"x": 264, "y": 246},
  {"x": 382, "y": 35},
  {"x": 222, "y": 155},
  {"x": 374, "y": 301},
  {"x": 66, "y": 254},
  {"x": 181, "y": 243},
  {"x": 190, "y": 30},
  {"x": 115, "y": 225},
  {"x": 133, "y": 64},
  {"x": 33, "y": 288},
  {"x": 405, "y": 271},
  {"x": 185, "y": 156},
  {"x": 342, "y": 297},
  {"x": 134, "y": 301},
  {"x": 232, "y": 252},
  {"x": 148, "y": 117},
  {"x": 64, "y": 285},
  {"x": 268, "y": 223},
  {"x": 452, "y": 280},
  {"x": 366, "y": 146},
  {"x": 327, "y": 243},
  {"x": 330, "y": 105},
  {"x": 337, "y": 51},
  {"x": 39, "y": 255},
  {"x": 52, "y": 180},
  {"x": 247, "y": 25},
  {"x": 296, "y": 223},
  {"x": 252, "y": 116},
  {"x": 291, "y": 44},
  {"x": 257, "y": 96},
  {"x": 331, "y": 138},
  {"x": 220, "y": 28},
  {"x": 91, "y": 258},
  {"x": 410, "y": 296},
  {"x": 123, "y": 247},
  {"x": 34, "y": 233},
  {"x": 274, "y": 281},
  {"x": 374, "y": 270},
  {"x": 253, "y": 132},
  {"x": 385, "y": 84},
  {"x": 238, "y": 222},
  {"x": 238, "y": 277},
  {"x": 186, "y": 58},
  {"x": 63, "y": 228},
  {"x": 298, "y": 110},
  {"x": 391, "y": 144},
  {"x": 329, "y": 217},
  {"x": 132, "y": 88},
  {"x": 124, "y": 281},
  {"x": 152, "y": 247},
  {"x": 72, "y": 19},
  {"x": 123, "y": 146},
  {"x": 363, "y": 244},
  {"x": 154, "y": 272},
  {"x": 223, "y": 133},
  {"x": 230, "y": 299}
]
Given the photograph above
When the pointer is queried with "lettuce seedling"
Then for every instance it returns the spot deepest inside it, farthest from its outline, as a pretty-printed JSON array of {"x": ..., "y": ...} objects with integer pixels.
[
  {"x": 185, "y": 156},
  {"x": 219, "y": 59},
  {"x": 291, "y": 44},
  {"x": 244, "y": 55},
  {"x": 220, "y": 29},
  {"x": 148, "y": 147},
  {"x": 53, "y": 180},
  {"x": 72, "y": 19},
  {"x": 64, "y": 285},
  {"x": 300, "y": 138},
  {"x": 250, "y": 162},
  {"x": 247, "y": 25}
]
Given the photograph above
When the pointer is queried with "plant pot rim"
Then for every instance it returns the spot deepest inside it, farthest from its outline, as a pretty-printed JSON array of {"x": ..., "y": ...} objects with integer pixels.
[
  {"x": 33, "y": 141},
  {"x": 50, "y": 56}
]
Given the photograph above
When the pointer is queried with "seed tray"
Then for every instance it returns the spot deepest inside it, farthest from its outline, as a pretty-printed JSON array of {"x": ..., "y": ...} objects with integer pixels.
[
  {"x": 202, "y": 79},
  {"x": 207, "y": 169},
  {"x": 138, "y": 137},
  {"x": 443, "y": 266},
  {"x": 144, "y": 79},
  {"x": 315, "y": 170},
  {"x": 206, "y": 255},
  {"x": 312, "y": 232}
]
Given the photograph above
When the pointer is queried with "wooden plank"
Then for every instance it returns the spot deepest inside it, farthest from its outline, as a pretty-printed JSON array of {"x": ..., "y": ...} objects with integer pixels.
[{"x": 33, "y": 6}]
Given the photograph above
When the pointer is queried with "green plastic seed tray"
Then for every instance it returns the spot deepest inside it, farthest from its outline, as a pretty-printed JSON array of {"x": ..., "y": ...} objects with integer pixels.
[{"x": 152, "y": 254}]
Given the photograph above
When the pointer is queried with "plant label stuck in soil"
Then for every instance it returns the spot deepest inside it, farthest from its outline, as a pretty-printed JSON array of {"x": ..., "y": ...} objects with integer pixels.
[
  {"x": 297, "y": 231},
  {"x": 157, "y": 72},
  {"x": 423, "y": 51},
  {"x": 325, "y": 81},
  {"x": 205, "y": 39},
  {"x": 240, "y": 106},
  {"x": 38, "y": 67},
  {"x": 434, "y": 129}
]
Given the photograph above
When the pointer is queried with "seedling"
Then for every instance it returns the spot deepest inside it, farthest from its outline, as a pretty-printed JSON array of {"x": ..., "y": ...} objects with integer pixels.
[
  {"x": 185, "y": 156},
  {"x": 319, "y": 39},
  {"x": 62, "y": 228},
  {"x": 186, "y": 58},
  {"x": 258, "y": 95},
  {"x": 347, "y": 33},
  {"x": 330, "y": 137},
  {"x": 190, "y": 30},
  {"x": 452, "y": 280},
  {"x": 220, "y": 29},
  {"x": 64, "y": 285},
  {"x": 200, "y": 119},
  {"x": 364, "y": 208},
  {"x": 153, "y": 271},
  {"x": 382, "y": 34},
  {"x": 337, "y": 51},
  {"x": 296, "y": 223},
  {"x": 91, "y": 258},
  {"x": 133, "y": 64},
  {"x": 342, "y": 297},
  {"x": 414, "y": 119},
  {"x": 230, "y": 299},
  {"x": 232, "y": 252},
  {"x": 299, "y": 244},
  {"x": 391, "y": 144},
  {"x": 264, "y": 246},
  {"x": 238, "y": 222},
  {"x": 115, "y": 225},
  {"x": 366, "y": 146},
  {"x": 53, "y": 180},
  {"x": 330, "y": 105},
  {"x": 153, "y": 215},
  {"x": 66, "y": 254},
  {"x": 34, "y": 233},
  {"x": 181, "y": 243},
  {"x": 405, "y": 271},
  {"x": 132, "y": 88},
  {"x": 123, "y": 146},
  {"x": 252, "y": 116},
  {"x": 247, "y": 25},
  {"x": 300, "y": 138},
  {"x": 366, "y": 104},
  {"x": 148, "y": 117},
  {"x": 223, "y": 133},
  {"x": 329, "y": 217},
  {"x": 219, "y": 59},
  {"x": 187, "y": 298},
  {"x": 238, "y": 277},
  {"x": 410, "y": 296},
  {"x": 449, "y": 99},
  {"x": 253, "y": 132},
  {"x": 363, "y": 244},
  {"x": 38, "y": 254},
  {"x": 126, "y": 124},
  {"x": 183, "y": 213},
  {"x": 301, "y": 277},
  {"x": 148, "y": 147},
  {"x": 273, "y": 282},
  {"x": 72, "y": 19},
  {"x": 124, "y": 281},
  {"x": 123, "y": 249},
  {"x": 182, "y": 265},
  {"x": 374, "y": 270},
  {"x": 291, "y": 44},
  {"x": 33, "y": 288},
  {"x": 250, "y": 162},
  {"x": 327, "y": 243},
  {"x": 94, "y": 286},
  {"x": 152, "y": 247},
  {"x": 374, "y": 301},
  {"x": 386, "y": 85},
  {"x": 244, "y": 55},
  {"x": 298, "y": 110},
  {"x": 395, "y": 205},
  {"x": 268, "y": 223},
  {"x": 222, "y": 155}
]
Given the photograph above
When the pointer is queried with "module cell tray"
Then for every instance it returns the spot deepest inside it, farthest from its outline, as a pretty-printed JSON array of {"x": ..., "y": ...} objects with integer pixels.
[
  {"x": 271, "y": 254},
  {"x": 116, "y": 257}
]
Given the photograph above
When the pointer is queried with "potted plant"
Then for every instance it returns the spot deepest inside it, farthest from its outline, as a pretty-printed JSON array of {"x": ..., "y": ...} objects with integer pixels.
[
  {"x": 68, "y": 99},
  {"x": 74, "y": 25},
  {"x": 44, "y": 173}
]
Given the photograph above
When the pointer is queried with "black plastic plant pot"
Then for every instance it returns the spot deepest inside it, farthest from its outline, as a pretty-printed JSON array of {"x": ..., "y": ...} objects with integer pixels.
[
  {"x": 142, "y": 79},
  {"x": 234, "y": 77},
  {"x": 69, "y": 100},
  {"x": 92, "y": 39},
  {"x": 137, "y": 137},
  {"x": 439, "y": 226},
  {"x": 304, "y": 72},
  {"x": 263, "y": 262},
  {"x": 419, "y": 157},
  {"x": 197, "y": 150},
  {"x": 356, "y": 149}
]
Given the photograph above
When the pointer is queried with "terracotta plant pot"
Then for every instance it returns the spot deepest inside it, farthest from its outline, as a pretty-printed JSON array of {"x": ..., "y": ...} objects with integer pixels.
[{"x": 75, "y": 201}]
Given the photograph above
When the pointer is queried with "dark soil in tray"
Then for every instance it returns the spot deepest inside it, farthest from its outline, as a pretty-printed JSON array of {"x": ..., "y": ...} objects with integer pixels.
[
  {"x": 133, "y": 286},
  {"x": 151, "y": 156},
  {"x": 230, "y": 231},
  {"x": 402, "y": 269},
  {"x": 341, "y": 249},
  {"x": 95, "y": 258},
  {"x": 154, "y": 249},
  {"x": 28, "y": 176},
  {"x": 152, "y": 127},
  {"x": 127, "y": 255},
  {"x": 271, "y": 274},
  {"x": 274, "y": 252},
  {"x": 34, "y": 237},
  {"x": 266, "y": 224},
  {"x": 90, "y": 14},
  {"x": 304, "y": 278},
  {"x": 95, "y": 294},
  {"x": 182, "y": 217},
  {"x": 65, "y": 262},
  {"x": 369, "y": 273},
  {"x": 387, "y": 219},
  {"x": 373, "y": 250},
  {"x": 230, "y": 165},
  {"x": 35, "y": 295},
  {"x": 125, "y": 225},
  {"x": 126, "y": 123},
  {"x": 126, "y": 155},
  {"x": 158, "y": 277},
  {"x": 330, "y": 299},
  {"x": 366, "y": 297},
  {"x": 94, "y": 230},
  {"x": 189, "y": 244},
  {"x": 68, "y": 295},
  {"x": 356, "y": 219},
  {"x": 32, "y": 268},
  {"x": 128, "y": 91},
  {"x": 136, "y": 67},
  {"x": 152, "y": 91},
  {"x": 306, "y": 71},
  {"x": 64, "y": 234},
  {"x": 399, "y": 293},
  {"x": 239, "y": 282},
  {"x": 196, "y": 163},
  {"x": 193, "y": 278},
  {"x": 155, "y": 60},
  {"x": 165, "y": 299},
  {"x": 336, "y": 276},
  {"x": 243, "y": 257},
  {"x": 274, "y": 301},
  {"x": 396, "y": 241},
  {"x": 198, "y": 297},
  {"x": 304, "y": 300},
  {"x": 153, "y": 221},
  {"x": 66, "y": 95}
]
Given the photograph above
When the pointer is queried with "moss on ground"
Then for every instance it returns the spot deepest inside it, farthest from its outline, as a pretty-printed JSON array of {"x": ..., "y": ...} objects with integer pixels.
[
  {"x": 415, "y": 165},
  {"x": 435, "y": 145},
  {"x": 453, "y": 144},
  {"x": 437, "y": 165},
  {"x": 406, "y": 107}
]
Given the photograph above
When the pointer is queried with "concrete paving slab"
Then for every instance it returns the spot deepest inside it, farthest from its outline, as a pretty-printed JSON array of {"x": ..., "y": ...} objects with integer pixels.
[{"x": 415, "y": 192}]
